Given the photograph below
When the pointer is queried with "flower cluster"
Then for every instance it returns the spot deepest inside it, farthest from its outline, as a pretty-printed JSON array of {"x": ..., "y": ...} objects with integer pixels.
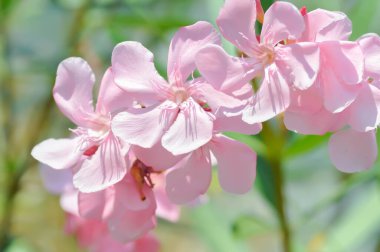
[{"x": 146, "y": 130}]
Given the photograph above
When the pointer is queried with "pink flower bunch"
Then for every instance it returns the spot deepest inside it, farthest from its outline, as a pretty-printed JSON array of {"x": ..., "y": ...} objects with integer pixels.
[{"x": 145, "y": 128}]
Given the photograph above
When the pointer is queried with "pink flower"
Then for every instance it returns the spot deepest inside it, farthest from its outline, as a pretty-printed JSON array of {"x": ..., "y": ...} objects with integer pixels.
[
  {"x": 280, "y": 61},
  {"x": 178, "y": 113},
  {"x": 94, "y": 153},
  {"x": 333, "y": 102},
  {"x": 94, "y": 236},
  {"x": 191, "y": 177}
]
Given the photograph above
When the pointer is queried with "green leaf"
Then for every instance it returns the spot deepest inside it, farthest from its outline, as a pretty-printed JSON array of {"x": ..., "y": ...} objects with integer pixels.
[
  {"x": 301, "y": 144},
  {"x": 246, "y": 226}
]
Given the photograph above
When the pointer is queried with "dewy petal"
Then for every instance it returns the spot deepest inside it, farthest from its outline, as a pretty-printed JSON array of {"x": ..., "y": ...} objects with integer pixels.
[
  {"x": 282, "y": 21},
  {"x": 236, "y": 164},
  {"x": 111, "y": 98},
  {"x": 58, "y": 153},
  {"x": 134, "y": 70},
  {"x": 370, "y": 44},
  {"x": 271, "y": 99},
  {"x": 191, "y": 129},
  {"x": 156, "y": 157},
  {"x": 346, "y": 60},
  {"x": 352, "y": 151},
  {"x": 300, "y": 63},
  {"x": 337, "y": 95},
  {"x": 190, "y": 179},
  {"x": 73, "y": 90},
  {"x": 236, "y": 22},
  {"x": 365, "y": 110},
  {"x": 103, "y": 169},
  {"x": 144, "y": 126},
  {"x": 324, "y": 25},
  {"x": 225, "y": 73},
  {"x": 184, "y": 46}
]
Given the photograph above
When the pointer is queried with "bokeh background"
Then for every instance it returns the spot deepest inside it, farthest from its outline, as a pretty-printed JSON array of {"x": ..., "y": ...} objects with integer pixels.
[{"x": 325, "y": 210}]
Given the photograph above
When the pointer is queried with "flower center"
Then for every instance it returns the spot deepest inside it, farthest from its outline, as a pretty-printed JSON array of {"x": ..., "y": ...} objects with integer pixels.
[
  {"x": 141, "y": 175},
  {"x": 179, "y": 94},
  {"x": 265, "y": 53}
]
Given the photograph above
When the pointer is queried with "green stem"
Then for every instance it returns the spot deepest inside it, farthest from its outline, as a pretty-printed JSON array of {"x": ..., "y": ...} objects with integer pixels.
[
  {"x": 275, "y": 141},
  {"x": 17, "y": 166}
]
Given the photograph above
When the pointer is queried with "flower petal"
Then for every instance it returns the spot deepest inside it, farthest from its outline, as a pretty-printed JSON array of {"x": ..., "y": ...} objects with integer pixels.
[
  {"x": 156, "y": 157},
  {"x": 73, "y": 90},
  {"x": 190, "y": 179},
  {"x": 96, "y": 205},
  {"x": 272, "y": 98},
  {"x": 236, "y": 164},
  {"x": 345, "y": 59},
  {"x": 370, "y": 44},
  {"x": 324, "y": 25},
  {"x": 318, "y": 123},
  {"x": 144, "y": 126},
  {"x": 299, "y": 63},
  {"x": 134, "y": 71},
  {"x": 235, "y": 124},
  {"x": 236, "y": 22},
  {"x": 282, "y": 21},
  {"x": 352, "y": 151},
  {"x": 191, "y": 129},
  {"x": 56, "y": 181},
  {"x": 225, "y": 73},
  {"x": 337, "y": 95},
  {"x": 58, "y": 153},
  {"x": 103, "y": 169},
  {"x": 365, "y": 110},
  {"x": 184, "y": 46},
  {"x": 111, "y": 98}
]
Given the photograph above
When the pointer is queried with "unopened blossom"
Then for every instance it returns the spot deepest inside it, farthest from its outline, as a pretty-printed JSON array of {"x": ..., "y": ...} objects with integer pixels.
[
  {"x": 178, "y": 113},
  {"x": 94, "y": 153},
  {"x": 274, "y": 56}
]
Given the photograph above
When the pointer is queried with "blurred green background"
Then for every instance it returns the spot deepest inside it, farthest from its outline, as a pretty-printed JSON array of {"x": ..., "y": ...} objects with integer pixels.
[{"x": 326, "y": 210}]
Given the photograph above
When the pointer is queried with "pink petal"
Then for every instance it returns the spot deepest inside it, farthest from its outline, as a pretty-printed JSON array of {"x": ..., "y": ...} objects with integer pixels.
[
  {"x": 184, "y": 46},
  {"x": 370, "y": 44},
  {"x": 235, "y": 124},
  {"x": 103, "y": 169},
  {"x": 69, "y": 202},
  {"x": 299, "y": 63},
  {"x": 282, "y": 21},
  {"x": 165, "y": 208},
  {"x": 216, "y": 99},
  {"x": 191, "y": 129},
  {"x": 190, "y": 179},
  {"x": 324, "y": 25},
  {"x": 156, "y": 157},
  {"x": 96, "y": 205},
  {"x": 111, "y": 98},
  {"x": 236, "y": 21},
  {"x": 236, "y": 164},
  {"x": 127, "y": 189},
  {"x": 134, "y": 71},
  {"x": 144, "y": 126},
  {"x": 365, "y": 110},
  {"x": 56, "y": 181},
  {"x": 73, "y": 90},
  {"x": 223, "y": 72},
  {"x": 337, "y": 95},
  {"x": 271, "y": 99},
  {"x": 345, "y": 59},
  {"x": 58, "y": 153},
  {"x": 128, "y": 225},
  {"x": 318, "y": 123},
  {"x": 147, "y": 243},
  {"x": 307, "y": 101},
  {"x": 352, "y": 151}
]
